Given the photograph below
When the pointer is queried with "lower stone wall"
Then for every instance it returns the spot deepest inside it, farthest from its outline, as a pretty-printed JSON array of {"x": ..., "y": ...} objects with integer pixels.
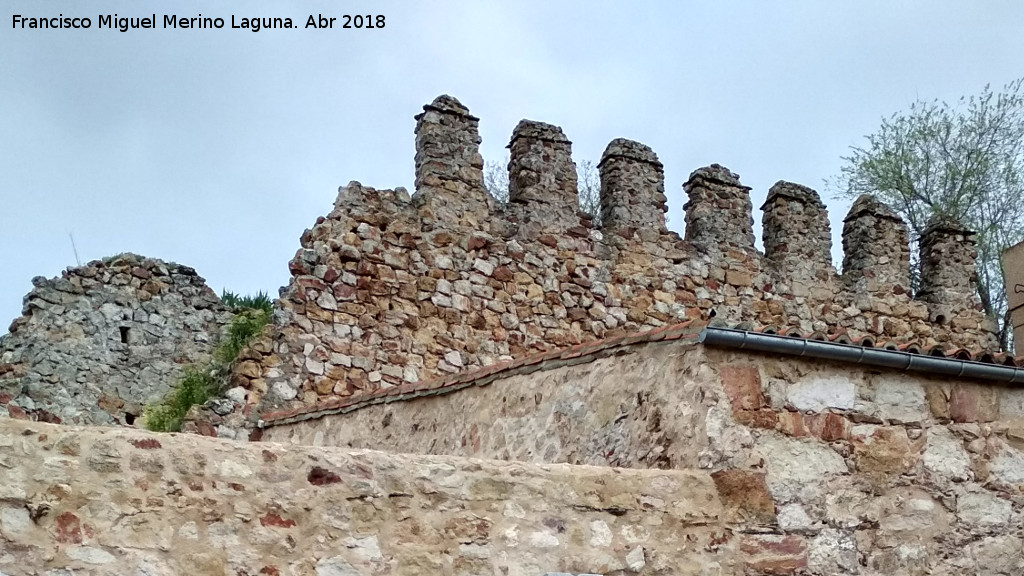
[
  {"x": 852, "y": 470},
  {"x": 89, "y": 501},
  {"x": 641, "y": 410}
]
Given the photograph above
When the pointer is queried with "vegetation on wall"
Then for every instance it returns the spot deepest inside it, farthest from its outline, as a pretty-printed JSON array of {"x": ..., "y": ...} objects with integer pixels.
[
  {"x": 962, "y": 160},
  {"x": 199, "y": 383}
]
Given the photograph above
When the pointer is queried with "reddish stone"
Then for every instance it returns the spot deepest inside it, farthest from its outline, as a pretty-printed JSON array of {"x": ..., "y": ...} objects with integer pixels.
[
  {"x": 775, "y": 555},
  {"x": 828, "y": 426},
  {"x": 344, "y": 292},
  {"x": 16, "y": 412},
  {"x": 578, "y": 231},
  {"x": 442, "y": 239},
  {"x": 548, "y": 240},
  {"x": 973, "y": 403},
  {"x": 311, "y": 282},
  {"x": 745, "y": 494},
  {"x": 68, "y": 529},
  {"x": 743, "y": 386},
  {"x": 475, "y": 243},
  {"x": 5, "y": 398},
  {"x": 269, "y": 456},
  {"x": 792, "y": 424},
  {"x": 503, "y": 274},
  {"x": 274, "y": 519},
  {"x": 40, "y": 415},
  {"x": 146, "y": 443},
  {"x": 321, "y": 477},
  {"x": 270, "y": 571},
  {"x": 765, "y": 419},
  {"x": 203, "y": 428}
]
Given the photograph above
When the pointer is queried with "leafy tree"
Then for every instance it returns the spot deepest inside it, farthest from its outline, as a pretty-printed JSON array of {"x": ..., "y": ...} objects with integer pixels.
[
  {"x": 589, "y": 185},
  {"x": 964, "y": 161}
]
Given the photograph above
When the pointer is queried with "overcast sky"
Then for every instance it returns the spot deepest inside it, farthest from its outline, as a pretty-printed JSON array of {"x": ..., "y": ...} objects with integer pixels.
[{"x": 217, "y": 148}]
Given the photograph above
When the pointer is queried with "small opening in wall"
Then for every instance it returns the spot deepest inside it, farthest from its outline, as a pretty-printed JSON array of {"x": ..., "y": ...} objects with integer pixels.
[
  {"x": 129, "y": 419},
  {"x": 940, "y": 319},
  {"x": 124, "y": 334},
  {"x": 712, "y": 313}
]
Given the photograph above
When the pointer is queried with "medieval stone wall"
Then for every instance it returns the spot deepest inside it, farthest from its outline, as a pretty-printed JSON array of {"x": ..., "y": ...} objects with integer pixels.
[
  {"x": 389, "y": 288},
  {"x": 101, "y": 340},
  {"x": 91, "y": 502},
  {"x": 849, "y": 470}
]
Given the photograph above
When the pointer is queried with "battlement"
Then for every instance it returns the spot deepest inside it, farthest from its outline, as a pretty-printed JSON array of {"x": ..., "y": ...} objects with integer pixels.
[
  {"x": 391, "y": 289},
  {"x": 797, "y": 234},
  {"x": 572, "y": 344},
  {"x": 876, "y": 253},
  {"x": 718, "y": 213},
  {"x": 632, "y": 188}
]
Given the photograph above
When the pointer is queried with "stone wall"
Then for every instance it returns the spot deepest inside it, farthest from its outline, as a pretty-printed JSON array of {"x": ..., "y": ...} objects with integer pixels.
[
  {"x": 98, "y": 342},
  {"x": 91, "y": 501},
  {"x": 389, "y": 288},
  {"x": 850, "y": 470}
]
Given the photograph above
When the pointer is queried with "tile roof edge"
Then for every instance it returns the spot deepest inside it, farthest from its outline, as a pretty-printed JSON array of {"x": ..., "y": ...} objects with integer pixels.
[
  {"x": 690, "y": 330},
  {"x": 694, "y": 331}
]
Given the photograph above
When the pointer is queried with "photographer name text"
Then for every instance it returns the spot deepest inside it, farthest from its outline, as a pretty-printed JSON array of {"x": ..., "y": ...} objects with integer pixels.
[{"x": 198, "y": 22}]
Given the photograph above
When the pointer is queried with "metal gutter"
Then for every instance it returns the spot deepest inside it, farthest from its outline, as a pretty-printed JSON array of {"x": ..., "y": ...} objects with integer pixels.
[{"x": 894, "y": 359}]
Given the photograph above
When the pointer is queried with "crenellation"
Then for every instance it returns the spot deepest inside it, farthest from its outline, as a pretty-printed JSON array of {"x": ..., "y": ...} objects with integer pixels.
[
  {"x": 389, "y": 289},
  {"x": 718, "y": 212},
  {"x": 948, "y": 274},
  {"x": 632, "y": 188},
  {"x": 798, "y": 237},
  {"x": 445, "y": 323},
  {"x": 876, "y": 253},
  {"x": 449, "y": 167},
  {"x": 542, "y": 181},
  {"x": 414, "y": 292}
]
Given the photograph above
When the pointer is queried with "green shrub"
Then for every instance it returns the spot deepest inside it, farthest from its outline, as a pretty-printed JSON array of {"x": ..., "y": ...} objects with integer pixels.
[
  {"x": 241, "y": 330},
  {"x": 200, "y": 383},
  {"x": 261, "y": 301},
  {"x": 195, "y": 387}
]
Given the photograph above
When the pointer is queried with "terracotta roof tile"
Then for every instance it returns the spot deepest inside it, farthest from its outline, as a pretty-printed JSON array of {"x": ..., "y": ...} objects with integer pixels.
[{"x": 688, "y": 330}]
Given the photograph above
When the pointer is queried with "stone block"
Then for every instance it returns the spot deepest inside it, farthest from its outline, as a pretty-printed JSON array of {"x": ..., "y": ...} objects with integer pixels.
[
  {"x": 900, "y": 399},
  {"x": 742, "y": 384},
  {"x": 774, "y": 554},
  {"x": 970, "y": 402},
  {"x": 820, "y": 391},
  {"x": 944, "y": 455},
  {"x": 883, "y": 449},
  {"x": 745, "y": 496},
  {"x": 983, "y": 509}
]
